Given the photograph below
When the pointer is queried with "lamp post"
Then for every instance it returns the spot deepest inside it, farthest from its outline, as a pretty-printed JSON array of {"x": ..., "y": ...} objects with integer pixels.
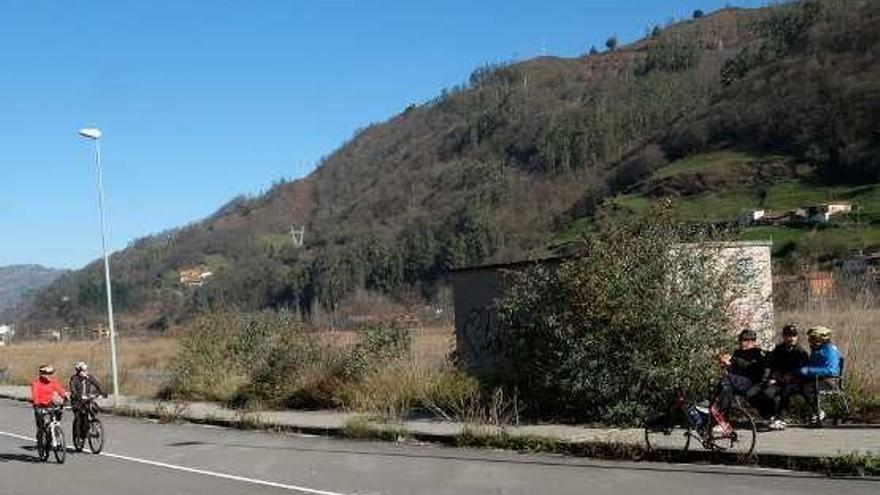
[{"x": 94, "y": 135}]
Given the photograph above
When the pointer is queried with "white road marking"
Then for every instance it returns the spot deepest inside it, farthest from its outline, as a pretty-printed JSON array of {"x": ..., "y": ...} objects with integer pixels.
[{"x": 203, "y": 472}]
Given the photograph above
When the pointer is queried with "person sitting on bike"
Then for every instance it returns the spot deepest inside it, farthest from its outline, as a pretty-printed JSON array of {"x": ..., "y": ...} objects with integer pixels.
[
  {"x": 745, "y": 371},
  {"x": 785, "y": 361},
  {"x": 45, "y": 393},
  {"x": 82, "y": 386},
  {"x": 824, "y": 365}
]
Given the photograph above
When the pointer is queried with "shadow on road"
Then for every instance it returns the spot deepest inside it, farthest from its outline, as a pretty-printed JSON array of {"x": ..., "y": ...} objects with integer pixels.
[{"x": 7, "y": 457}]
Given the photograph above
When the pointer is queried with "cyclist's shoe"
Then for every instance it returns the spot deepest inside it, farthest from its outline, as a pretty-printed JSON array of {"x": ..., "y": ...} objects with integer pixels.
[
  {"x": 817, "y": 419},
  {"x": 777, "y": 424}
]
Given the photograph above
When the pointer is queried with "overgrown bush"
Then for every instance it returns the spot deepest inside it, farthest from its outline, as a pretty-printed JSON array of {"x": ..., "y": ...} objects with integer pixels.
[
  {"x": 379, "y": 344},
  {"x": 271, "y": 360},
  {"x": 605, "y": 336},
  {"x": 218, "y": 352},
  {"x": 291, "y": 362}
]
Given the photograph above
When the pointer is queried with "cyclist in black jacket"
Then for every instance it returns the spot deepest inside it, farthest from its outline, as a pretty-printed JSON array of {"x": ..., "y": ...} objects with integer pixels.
[
  {"x": 785, "y": 360},
  {"x": 746, "y": 370},
  {"x": 82, "y": 386}
]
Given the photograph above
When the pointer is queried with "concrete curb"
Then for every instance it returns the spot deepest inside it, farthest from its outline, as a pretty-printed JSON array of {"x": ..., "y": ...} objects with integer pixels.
[{"x": 471, "y": 437}]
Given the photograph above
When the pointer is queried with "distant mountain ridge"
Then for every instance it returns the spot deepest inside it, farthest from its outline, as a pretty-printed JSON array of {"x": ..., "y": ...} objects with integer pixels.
[{"x": 20, "y": 282}]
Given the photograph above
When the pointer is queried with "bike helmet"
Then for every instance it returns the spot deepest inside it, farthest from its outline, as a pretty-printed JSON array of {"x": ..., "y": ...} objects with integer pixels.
[
  {"x": 819, "y": 334},
  {"x": 748, "y": 334},
  {"x": 81, "y": 366},
  {"x": 790, "y": 330},
  {"x": 47, "y": 369}
]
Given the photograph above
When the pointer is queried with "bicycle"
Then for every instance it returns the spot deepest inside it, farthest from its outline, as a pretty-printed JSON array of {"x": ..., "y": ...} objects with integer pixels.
[
  {"x": 87, "y": 426},
  {"x": 716, "y": 431},
  {"x": 50, "y": 435}
]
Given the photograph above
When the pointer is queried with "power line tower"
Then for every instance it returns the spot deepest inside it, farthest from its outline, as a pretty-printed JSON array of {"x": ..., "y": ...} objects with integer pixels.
[{"x": 298, "y": 234}]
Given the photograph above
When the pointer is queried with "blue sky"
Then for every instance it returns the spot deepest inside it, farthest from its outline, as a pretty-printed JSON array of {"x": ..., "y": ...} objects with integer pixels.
[{"x": 201, "y": 101}]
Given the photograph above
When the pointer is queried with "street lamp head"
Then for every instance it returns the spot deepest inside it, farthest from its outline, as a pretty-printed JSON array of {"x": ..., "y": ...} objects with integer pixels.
[{"x": 90, "y": 132}]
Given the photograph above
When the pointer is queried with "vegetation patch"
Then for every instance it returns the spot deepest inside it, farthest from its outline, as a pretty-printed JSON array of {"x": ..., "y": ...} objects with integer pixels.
[{"x": 604, "y": 336}]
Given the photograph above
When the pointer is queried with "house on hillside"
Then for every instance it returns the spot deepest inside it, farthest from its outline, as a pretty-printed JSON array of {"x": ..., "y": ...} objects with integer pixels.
[
  {"x": 809, "y": 284},
  {"x": 822, "y": 213},
  {"x": 820, "y": 285},
  {"x": 864, "y": 266},
  {"x": 767, "y": 217},
  {"x": 775, "y": 217},
  {"x": 476, "y": 289},
  {"x": 751, "y": 217},
  {"x": 194, "y": 277}
]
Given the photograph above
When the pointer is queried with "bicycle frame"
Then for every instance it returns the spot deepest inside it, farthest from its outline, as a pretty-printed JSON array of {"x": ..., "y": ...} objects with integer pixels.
[
  {"x": 693, "y": 423},
  {"x": 48, "y": 426}
]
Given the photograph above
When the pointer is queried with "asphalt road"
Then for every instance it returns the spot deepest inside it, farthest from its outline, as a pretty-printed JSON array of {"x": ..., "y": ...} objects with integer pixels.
[{"x": 144, "y": 457}]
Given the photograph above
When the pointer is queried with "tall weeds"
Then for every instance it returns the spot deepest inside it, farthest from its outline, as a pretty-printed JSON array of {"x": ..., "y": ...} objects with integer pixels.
[{"x": 856, "y": 325}]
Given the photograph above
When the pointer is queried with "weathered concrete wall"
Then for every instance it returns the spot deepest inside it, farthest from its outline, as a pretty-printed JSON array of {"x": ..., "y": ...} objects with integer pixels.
[
  {"x": 475, "y": 290},
  {"x": 750, "y": 271},
  {"x": 474, "y": 293}
]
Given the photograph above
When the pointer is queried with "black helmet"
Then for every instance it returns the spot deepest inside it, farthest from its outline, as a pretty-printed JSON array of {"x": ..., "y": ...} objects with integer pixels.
[
  {"x": 790, "y": 330},
  {"x": 748, "y": 334}
]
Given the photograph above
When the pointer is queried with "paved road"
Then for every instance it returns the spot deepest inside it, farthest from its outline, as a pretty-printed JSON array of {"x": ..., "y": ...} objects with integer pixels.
[{"x": 148, "y": 458}]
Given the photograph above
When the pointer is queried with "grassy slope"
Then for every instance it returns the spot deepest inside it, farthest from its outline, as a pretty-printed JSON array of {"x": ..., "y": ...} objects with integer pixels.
[{"x": 844, "y": 234}]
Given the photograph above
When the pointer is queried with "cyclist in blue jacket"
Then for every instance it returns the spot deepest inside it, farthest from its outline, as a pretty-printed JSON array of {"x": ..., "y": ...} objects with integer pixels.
[{"x": 824, "y": 364}]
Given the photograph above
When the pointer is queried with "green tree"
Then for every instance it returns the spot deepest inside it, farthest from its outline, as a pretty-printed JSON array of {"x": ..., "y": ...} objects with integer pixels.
[
  {"x": 605, "y": 336},
  {"x": 611, "y": 43}
]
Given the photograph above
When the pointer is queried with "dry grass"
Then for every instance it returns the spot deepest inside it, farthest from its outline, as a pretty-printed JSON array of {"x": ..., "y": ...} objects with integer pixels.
[
  {"x": 856, "y": 326},
  {"x": 143, "y": 363},
  {"x": 395, "y": 387}
]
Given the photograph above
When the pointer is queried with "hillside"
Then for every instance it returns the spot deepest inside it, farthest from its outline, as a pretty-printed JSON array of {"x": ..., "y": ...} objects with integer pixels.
[
  {"x": 522, "y": 158},
  {"x": 18, "y": 283}
]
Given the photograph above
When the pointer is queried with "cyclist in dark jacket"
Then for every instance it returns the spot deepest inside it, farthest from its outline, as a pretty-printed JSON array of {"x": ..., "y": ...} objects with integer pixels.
[
  {"x": 785, "y": 361},
  {"x": 82, "y": 386},
  {"x": 746, "y": 370}
]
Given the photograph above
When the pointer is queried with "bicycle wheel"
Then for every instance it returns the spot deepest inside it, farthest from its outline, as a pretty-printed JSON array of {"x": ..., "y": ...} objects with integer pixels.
[
  {"x": 739, "y": 438},
  {"x": 96, "y": 436},
  {"x": 59, "y": 447},
  {"x": 664, "y": 432},
  {"x": 79, "y": 440},
  {"x": 42, "y": 445}
]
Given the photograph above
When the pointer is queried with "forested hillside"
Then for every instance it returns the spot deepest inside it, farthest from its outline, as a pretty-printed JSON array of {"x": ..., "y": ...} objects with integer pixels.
[{"x": 522, "y": 158}]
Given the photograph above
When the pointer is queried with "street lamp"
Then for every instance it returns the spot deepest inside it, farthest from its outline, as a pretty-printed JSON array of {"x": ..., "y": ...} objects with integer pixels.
[{"x": 94, "y": 135}]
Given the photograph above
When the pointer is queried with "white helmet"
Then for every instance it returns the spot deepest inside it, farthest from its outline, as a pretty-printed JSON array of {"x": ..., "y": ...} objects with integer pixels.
[{"x": 81, "y": 366}]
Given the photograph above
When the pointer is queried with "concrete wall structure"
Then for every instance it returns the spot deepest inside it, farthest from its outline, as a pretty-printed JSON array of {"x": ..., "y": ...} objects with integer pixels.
[{"x": 476, "y": 290}]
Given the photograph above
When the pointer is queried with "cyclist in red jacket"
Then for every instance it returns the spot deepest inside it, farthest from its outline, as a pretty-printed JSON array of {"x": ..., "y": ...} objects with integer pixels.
[{"x": 45, "y": 393}]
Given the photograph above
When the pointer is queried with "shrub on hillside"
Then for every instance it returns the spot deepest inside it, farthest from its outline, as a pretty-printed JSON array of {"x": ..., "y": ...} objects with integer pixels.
[{"x": 606, "y": 335}]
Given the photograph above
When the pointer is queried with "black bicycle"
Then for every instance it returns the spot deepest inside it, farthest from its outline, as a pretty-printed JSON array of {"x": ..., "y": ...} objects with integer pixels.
[
  {"x": 87, "y": 427},
  {"x": 50, "y": 435},
  {"x": 733, "y": 431}
]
